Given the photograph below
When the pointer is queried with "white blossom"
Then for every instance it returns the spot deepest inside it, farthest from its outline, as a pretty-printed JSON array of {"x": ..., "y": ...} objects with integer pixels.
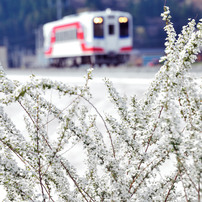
[{"x": 125, "y": 161}]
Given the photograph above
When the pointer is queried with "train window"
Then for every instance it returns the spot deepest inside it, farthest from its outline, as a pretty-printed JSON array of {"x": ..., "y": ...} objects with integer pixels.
[
  {"x": 111, "y": 29},
  {"x": 98, "y": 27},
  {"x": 66, "y": 35},
  {"x": 124, "y": 26}
]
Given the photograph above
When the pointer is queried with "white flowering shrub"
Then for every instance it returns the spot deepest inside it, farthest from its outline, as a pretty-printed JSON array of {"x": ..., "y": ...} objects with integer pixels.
[{"x": 128, "y": 160}]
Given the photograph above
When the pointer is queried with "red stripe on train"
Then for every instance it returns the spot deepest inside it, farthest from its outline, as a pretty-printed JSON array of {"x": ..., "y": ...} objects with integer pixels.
[
  {"x": 80, "y": 36},
  {"x": 91, "y": 49},
  {"x": 126, "y": 49}
]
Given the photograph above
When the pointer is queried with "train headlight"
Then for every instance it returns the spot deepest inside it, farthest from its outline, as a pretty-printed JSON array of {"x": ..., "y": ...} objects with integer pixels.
[
  {"x": 123, "y": 19},
  {"x": 98, "y": 20}
]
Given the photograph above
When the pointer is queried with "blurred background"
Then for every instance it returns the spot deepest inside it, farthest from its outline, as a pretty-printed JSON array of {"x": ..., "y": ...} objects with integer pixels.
[{"x": 21, "y": 21}]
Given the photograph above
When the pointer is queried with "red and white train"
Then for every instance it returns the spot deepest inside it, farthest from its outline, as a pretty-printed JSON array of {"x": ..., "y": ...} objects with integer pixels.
[{"x": 101, "y": 37}]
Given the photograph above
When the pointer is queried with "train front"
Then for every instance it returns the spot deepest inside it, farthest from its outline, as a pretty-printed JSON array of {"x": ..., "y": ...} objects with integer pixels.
[{"x": 112, "y": 33}]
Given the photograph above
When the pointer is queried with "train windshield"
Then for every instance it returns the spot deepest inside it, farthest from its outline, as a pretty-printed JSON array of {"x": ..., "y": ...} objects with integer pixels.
[
  {"x": 124, "y": 26},
  {"x": 111, "y": 29},
  {"x": 98, "y": 27}
]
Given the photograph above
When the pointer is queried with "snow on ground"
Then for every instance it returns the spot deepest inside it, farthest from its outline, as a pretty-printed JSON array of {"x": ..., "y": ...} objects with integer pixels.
[
  {"x": 128, "y": 81},
  {"x": 137, "y": 79}
]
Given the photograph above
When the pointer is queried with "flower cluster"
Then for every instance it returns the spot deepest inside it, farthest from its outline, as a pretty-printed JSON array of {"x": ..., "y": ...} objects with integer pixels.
[{"x": 126, "y": 161}]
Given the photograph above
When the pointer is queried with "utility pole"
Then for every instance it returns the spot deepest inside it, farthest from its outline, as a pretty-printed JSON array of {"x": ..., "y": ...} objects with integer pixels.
[{"x": 59, "y": 9}]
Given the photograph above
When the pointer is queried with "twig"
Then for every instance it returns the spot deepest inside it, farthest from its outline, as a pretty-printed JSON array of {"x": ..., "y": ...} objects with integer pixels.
[
  {"x": 61, "y": 111},
  {"x": 25, "y": 162},
  {"x": 199, "y": 196},
  {"x": 23, "y": 192},
  {"x": 185, "y": 193},
  {"x": 150, "y": 138},
  {"x": 136, "y": 177},
  {"x": 34, "y": 123},
  {"x": 173, "y": 182},
  {"x": 187, "y": 174},
  {"x": 110, "y": 137},
  {"x": 80, "y": 190},
  {"x": 38, "y": 150}
]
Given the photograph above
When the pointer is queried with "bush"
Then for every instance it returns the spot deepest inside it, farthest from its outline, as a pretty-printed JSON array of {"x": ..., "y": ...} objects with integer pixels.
[{"x": 149, "y": 134}]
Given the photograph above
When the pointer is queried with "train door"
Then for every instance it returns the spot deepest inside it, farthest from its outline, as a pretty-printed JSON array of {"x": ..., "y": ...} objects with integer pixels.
[{"x": 111, "y": 33}]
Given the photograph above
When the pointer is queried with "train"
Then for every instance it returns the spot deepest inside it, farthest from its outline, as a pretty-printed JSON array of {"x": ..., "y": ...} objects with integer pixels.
[{"x": 96, "y": 37}]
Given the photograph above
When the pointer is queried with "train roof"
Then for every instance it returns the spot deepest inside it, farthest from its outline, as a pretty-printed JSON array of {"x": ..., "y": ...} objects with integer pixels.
[
  {"x": 95, "y": 13},
  {"x": 92, "y": 13},
  {"x": 82, "y": 15}
]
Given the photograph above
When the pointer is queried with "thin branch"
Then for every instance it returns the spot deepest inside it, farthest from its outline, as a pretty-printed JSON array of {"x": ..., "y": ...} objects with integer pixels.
[
  {"x": 160, "y": 112},
  {"x": 173, "y": 182},
  {"x": 110, "y": 137},
  {"x": 80, "y": 190},
  {"x": 136, "y": 177},
  {"x": 76, "y": 184},
  {"x": 34, "y": 123},
  {"x": 85, "y": 88},
  {"x": 24, "y": 192},
  {"x": 150, "y": 138},
  {"x": 199, "y": 196},
  {"x": 61, "y": 111},
  {"x": 139, "y": 184},
  {"x": 38, "y": 150},
  {"x": 187, "y": 174},
  {"x": 27, "y": 113},
  {"x": 25, "y": 162},
  {"x": 185, "y": 193}
]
